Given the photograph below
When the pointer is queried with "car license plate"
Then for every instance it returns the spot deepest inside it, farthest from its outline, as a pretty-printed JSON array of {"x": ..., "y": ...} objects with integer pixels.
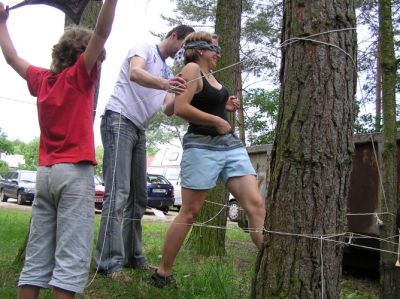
[{"x": 159, "y": 191}]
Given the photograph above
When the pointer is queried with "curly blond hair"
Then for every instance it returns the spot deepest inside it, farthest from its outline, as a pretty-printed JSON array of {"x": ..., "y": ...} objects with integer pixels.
[{"x": 71, "y": 44}]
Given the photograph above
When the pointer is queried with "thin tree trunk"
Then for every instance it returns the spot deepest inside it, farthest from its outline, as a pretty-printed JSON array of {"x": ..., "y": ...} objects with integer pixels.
[
  {"x": 389, "y": 273},
  {"x": 88, "y": 20},
  {"x": 311, "y": 159},
  {"x": 240, "y": 111},
  {"x": 89, "y": 16},
  {"x": 204, "y": 240},
  {"x": 378, "y": 96}
]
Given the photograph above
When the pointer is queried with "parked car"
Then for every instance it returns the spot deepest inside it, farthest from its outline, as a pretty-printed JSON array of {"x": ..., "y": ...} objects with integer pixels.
[
  {"x": 160, "y": 193},
  {"x": 233, "y": 212},
  {"x": 19, "y": 184},
  {"x": 171, "y": 173},
  {"x": 98, "y": 193}
]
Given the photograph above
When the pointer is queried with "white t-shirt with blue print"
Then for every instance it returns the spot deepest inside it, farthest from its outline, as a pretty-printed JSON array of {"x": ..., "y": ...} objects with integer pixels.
[{"x": 137, "y": 103}]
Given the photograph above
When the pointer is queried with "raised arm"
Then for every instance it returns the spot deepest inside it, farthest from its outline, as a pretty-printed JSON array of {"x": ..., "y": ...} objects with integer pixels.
[
  {"x": 10, "y": 53},
  {"x": 183, "y": 108},
  {"x": 101, "y": 33}
]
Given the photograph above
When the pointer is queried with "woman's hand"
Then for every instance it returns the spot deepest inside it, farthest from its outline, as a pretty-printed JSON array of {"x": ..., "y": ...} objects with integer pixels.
[
  {"x": 232, "y": 104},
  {"x": 223, "y": 127}
]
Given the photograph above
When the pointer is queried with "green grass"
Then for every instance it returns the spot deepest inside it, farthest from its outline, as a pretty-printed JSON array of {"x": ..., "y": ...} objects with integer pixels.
[{"x": 198, "y": 277}]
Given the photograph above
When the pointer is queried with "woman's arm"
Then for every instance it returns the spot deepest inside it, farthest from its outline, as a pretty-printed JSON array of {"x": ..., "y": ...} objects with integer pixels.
[{"x": 191, "y": 73}]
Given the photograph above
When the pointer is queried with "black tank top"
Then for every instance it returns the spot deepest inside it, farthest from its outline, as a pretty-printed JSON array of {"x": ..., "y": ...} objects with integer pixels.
[{"x": 212, "y": 101}]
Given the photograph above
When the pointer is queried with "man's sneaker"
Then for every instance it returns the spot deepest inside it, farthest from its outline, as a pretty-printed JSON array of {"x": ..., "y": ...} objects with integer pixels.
[
  {"x": 119, "y": 276},
  {"x": 162, "y": 281}
]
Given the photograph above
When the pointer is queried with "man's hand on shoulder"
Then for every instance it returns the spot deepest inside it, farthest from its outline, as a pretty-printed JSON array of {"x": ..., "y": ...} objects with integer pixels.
[{"x": 176, "y": 85}]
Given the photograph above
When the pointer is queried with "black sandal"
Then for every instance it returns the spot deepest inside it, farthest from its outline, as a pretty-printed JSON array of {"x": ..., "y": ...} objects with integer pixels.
[{"x": 160, "y": 281}]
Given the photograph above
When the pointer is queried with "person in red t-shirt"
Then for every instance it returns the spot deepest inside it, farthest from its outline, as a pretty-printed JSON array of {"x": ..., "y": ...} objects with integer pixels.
[{"x": 61, "y": 232}]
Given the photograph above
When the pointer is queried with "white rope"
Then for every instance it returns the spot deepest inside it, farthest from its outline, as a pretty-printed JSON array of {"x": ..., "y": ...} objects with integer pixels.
[
  {"x": 322, "y": 268},
  {"x": 398, "y": 253}
]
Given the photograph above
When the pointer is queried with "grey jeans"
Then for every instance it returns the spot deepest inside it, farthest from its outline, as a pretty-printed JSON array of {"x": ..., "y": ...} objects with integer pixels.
[
  {"x": 119, "y": 242},
  {"x": 61, "y": 231}
]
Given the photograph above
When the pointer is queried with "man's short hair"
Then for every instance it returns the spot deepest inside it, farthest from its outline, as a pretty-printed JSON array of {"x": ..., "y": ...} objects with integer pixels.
[{"x": 181, "y": 31}]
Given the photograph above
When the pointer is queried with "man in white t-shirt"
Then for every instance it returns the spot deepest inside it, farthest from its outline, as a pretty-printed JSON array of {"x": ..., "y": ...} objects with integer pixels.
[{"x": 144, "y": 86}]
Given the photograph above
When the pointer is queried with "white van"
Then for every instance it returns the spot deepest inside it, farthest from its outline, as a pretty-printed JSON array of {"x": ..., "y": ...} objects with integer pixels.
[
  {"x": 167, "y": 163},
  {"x": 172, "y": 174}
]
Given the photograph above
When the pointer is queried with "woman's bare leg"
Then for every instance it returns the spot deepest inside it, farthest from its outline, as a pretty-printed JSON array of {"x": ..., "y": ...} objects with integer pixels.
[
  {"x": 245, "y": 190},
  {"x": 192, "y": 202}
]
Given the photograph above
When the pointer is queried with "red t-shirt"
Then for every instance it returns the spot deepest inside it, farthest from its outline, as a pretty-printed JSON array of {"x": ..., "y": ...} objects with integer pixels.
[{"x": 65, "y": 113}]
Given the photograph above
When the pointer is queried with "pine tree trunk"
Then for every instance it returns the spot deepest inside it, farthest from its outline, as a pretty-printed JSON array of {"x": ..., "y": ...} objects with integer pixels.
[
  {"x": 378, "y": 96},
  {"x": 89, "y": 16},
  {"x": 240, "y": 111},
  {"x": 88, "y": 20},
  {"x": 205, "y": 240},
  {"x": 311, "y": 159},
  {"x": 389, "y": 273}
]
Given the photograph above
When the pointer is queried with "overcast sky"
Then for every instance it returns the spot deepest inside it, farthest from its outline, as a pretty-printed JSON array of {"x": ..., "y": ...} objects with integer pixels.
[{"x": 36, "y": 28}]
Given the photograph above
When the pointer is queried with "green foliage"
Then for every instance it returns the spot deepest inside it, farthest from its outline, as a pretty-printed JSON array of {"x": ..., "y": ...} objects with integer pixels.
[
  {"x": 4, "y": 167},
  {"x": 366, "y": 122},
  {"x": 29, "y": 151},
  {"x": 163, "y": 129},
  {"x": 98, "y": 169},
  {"x": 197, "y": 11},
  {"x": 354, "y": 288},
  {"x": 5, "y": 145},
  {"x": 210, "y": 277},
  {"x": 260, "y": 115},
  {"x": 367, "y": 16}
]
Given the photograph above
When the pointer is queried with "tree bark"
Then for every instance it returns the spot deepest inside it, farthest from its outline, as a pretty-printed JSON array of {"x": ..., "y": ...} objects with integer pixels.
[
  {"x": 378, "y": 95},
  {"x": 240, "y": 111},
  {"x": 311, "y": 159},
  {"x": 389, "y": 273},
  {"x": 206, "y": 240},
  {"x": 88, "y": 20},
  {"x": 89, "y": 16}
]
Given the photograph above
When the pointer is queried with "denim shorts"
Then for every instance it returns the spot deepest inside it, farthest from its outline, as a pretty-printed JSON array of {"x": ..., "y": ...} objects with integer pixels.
[
  {"x": 61, "y": 231},
  {"x": 200, "y": 168}
]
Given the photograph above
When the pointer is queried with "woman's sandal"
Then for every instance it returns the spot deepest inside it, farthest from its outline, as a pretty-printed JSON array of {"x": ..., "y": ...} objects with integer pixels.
[{"x": 160, "y": 281}]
